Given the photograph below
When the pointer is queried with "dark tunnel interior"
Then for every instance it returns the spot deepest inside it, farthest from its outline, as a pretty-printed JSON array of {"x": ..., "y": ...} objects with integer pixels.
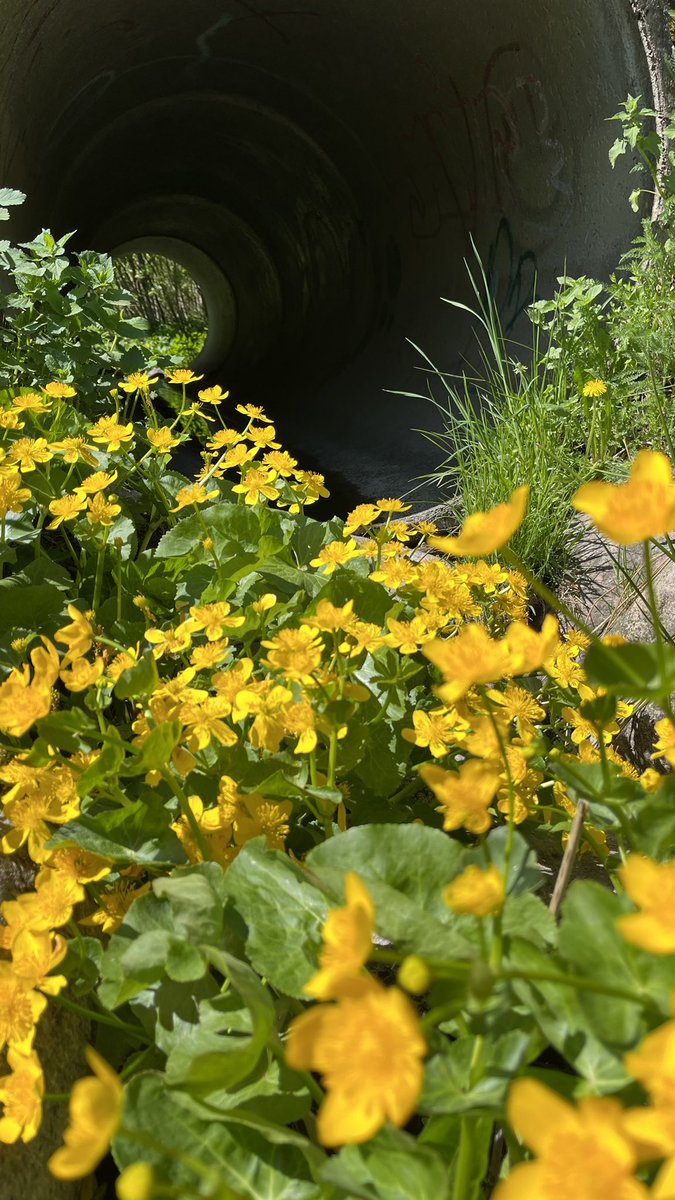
[{"x": 321, "y": 169}]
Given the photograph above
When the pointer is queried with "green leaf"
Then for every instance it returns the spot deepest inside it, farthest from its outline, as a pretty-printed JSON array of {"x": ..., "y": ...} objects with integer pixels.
[
  {"x": 139, "y": 833},
  {"x": 72, "y": 731},
  {"x": 590, "y": 941},
  {"x": 632, "y": 670},
  {"x": 104, "y": 767},
  {"x": 284, "y": 913},
  {"x": 405, "y": 868},
  {"x": 157, "y": 748},
  {"x": 37, "y": 604},
  {"x": 11, "y": 196},
  {"x": 237, "y": 1162},
  {"x": 391, "y": 1166},
  {"x": 197, "y": 896},
  {"x": 447, "y": 1078},
  {"x": 139, "y": 680},
  {"x": 208, "y": 1061},
  {"x": 229, "y": 524}
]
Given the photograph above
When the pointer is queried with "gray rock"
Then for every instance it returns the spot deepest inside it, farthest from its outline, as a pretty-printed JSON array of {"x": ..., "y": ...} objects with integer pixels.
[{"x": 606, "y": 587}]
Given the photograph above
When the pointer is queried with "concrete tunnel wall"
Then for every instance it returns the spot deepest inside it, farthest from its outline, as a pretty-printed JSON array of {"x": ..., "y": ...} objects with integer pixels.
[{"x": 331, "y": 161}]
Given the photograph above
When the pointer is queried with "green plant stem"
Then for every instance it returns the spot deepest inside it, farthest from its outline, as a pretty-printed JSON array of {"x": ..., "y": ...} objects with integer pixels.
[
  {"x": 187, "y": 812},
  {"x": 100, "y": 562},
  {"x": 576, "y": 981},
  {"x": 658, "y": 631},
  {"x": 466, "y": 1178},
  {"x": 101, "y": 1018}
]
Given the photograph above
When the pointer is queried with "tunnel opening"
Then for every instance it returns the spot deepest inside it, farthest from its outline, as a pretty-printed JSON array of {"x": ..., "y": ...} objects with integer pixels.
[{"x": 321, "y": 169}]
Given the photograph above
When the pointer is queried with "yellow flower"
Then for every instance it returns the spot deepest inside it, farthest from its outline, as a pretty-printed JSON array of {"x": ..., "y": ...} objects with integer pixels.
[
  {"x": 485, "y": 532},
  {"x": 169, "y": 641},
  {"x": 75, "y": 448},
  {"x": 138, "y": 381},
  {"x": 30, "y": 402},
  {"x": 528, "y": 649},
  {"x": 253, "y": 412},
  {"x": 97, "y": 482},
  {"x": 469, "y": 658},
  {"x": 59, "y": 391},
  {"x": 332, "y": 617},
  {"x": 20, "y": 1010},
  {"x": 224, "y": 437},
  {"x": 183, "y": 375},
  {"x": 213, "y": 395},
  {"x": 426, "y": 527},
  {"x": 21, "y": 1094},
  {"x": 476, "y": 891},
  {"x": 258, "y": 816},
  {"x": 393, "y": 506},
  {"x": 369, "y": 1049},
  {"x": 651, "y": 886},
  {"x": 82, "y": 674},
  {"x": 79, "y": 865},
  {"x": 653, "y": 1063},
  {"x": 641, "y": 508},
  {"x": 280, "y": 461},
  {"x": 110, "y": 432},
  {"x": 335, "y": 554},
  {"x": 28, "y": 452},
  {"x": 520, "y": 706},
  {"x": 12, "y": 495},
  {"x": 395, "y": 573},
  {"x": 205, "y": 723},
  {"x": 102, "y": 511},
  {"x": 213, "y": 619},
  {"x": 210, "y": 655},
  {"x": 115, "y": 904},
  {"x": 664, "y": 747},
  {"x": 594, "y": 388},
  {"x": 95, "y": 1110},
  {"x": 9, "y": 419},
  {"x": 23, "y": 700},
  {"x": 78, "y": 636},
  {"x": 582, "y": 1153},
  {"x": 465, "y": 795},
  {"x": 162, "y": 440},
  {"x": 34, "y": 955},
  {"x": 347, "y": 942},
  {"x": 194, "y": 493},
  {"x": 296, "y": 652},
  {"x": 257, "y": 482},
  {"x": 360, "y": 517},
  {"x": 312, "y": 484},
  {"x": 65, "y": 508},
  {"x": 262, "y": 435},
  {"x": 407, "y": 636},
  {"x": 439, "y": 730},
  {"x": 299, "y": 722}
]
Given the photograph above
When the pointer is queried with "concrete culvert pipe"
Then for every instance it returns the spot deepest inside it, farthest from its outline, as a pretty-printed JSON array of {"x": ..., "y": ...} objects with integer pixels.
[{"x": 328, "y": 164}]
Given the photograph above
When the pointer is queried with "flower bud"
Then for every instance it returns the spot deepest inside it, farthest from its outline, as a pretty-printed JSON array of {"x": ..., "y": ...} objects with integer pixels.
[
  {"x": 136, "y": 1183},
  {"x": 414, "y": 975}
]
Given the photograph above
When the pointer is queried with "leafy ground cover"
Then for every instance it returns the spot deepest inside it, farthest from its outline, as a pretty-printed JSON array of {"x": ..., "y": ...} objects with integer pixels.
[
  {"x": 279, "y": 781},
  {"x": 237, "y": 743}
]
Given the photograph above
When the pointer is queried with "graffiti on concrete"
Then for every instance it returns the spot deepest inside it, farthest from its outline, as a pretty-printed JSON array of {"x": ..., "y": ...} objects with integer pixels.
[
  {"x": 242, "y": 10},
  {"x": 492, "y": 131},
  {"x": 511, "y": 275}
]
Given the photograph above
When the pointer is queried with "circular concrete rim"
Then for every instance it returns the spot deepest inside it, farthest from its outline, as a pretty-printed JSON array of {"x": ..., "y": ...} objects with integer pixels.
[{"x": 215, "y": 287}]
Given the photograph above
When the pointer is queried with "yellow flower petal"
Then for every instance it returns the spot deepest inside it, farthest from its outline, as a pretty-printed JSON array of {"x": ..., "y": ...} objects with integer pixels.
[{"x": 485, "y": 532}]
